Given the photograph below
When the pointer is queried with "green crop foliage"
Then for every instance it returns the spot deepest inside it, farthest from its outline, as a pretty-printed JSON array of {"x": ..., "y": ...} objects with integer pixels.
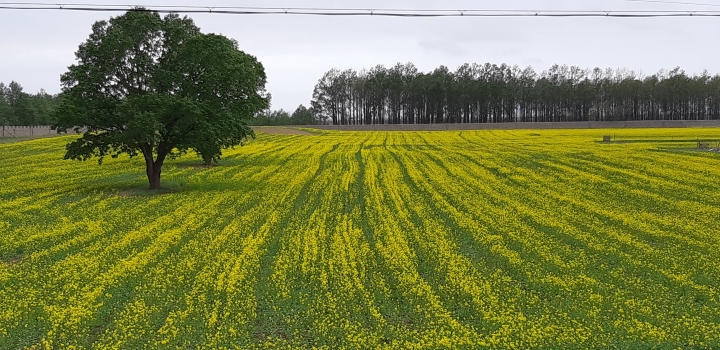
[{"x": 459, "y": 239}]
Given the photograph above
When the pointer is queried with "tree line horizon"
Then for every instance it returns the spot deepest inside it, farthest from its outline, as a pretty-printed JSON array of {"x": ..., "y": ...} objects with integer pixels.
[
  {"x": 20, "y": 108},
  {"x": 473, "y": 93},
  {"x": 490, "y": 93}
]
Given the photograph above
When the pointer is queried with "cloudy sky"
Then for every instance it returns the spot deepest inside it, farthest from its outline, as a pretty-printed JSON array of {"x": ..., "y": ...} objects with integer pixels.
[{"x": 37, "y": 46}]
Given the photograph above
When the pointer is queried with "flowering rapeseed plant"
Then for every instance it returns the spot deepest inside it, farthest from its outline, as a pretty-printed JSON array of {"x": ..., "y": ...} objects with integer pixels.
[{"x": 497, "y": 239}]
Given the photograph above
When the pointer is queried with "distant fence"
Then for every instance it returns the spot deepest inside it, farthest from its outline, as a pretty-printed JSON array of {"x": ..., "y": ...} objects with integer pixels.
[
  {"x": 526, "y": 125},
  {"x": 26, "y": 131}
]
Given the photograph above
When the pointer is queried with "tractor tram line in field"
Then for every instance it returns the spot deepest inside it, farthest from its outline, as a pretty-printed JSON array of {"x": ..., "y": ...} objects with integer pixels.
[
  {"x": 516, "y": 195},
  {"x": 481, "y": 231}
]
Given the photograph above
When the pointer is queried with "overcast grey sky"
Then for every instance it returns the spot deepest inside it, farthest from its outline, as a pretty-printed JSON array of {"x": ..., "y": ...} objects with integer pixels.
[{"x": 37, "y": 46}]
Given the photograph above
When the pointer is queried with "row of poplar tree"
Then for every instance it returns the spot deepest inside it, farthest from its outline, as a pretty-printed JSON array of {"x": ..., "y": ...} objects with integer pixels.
[
  {"x": 490, "y": 93},
  {"x": 473, "y": 93},
  {"x": 20, "y": 108}
]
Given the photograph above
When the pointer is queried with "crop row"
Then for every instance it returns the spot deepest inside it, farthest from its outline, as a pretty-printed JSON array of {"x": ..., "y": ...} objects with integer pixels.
[{"x": 498, "y": 239}]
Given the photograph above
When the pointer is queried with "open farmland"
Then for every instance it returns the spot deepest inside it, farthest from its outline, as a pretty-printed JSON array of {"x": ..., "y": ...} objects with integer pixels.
[{"x": 505, "y": 239}]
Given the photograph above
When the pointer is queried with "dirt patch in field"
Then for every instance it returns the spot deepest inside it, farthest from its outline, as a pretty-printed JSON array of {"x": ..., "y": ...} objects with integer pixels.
[
  {"x": 13, "y": 261},
  {"x": 280, "y": 130},
  {"x": 264, "y": 336},
  {"x": 141, "y": 192},
  {"x": 196, "y": 166}
]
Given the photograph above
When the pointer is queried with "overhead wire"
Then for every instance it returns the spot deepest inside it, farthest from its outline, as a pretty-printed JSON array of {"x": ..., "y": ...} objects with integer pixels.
[
  {"x": 675, "y": 2},
  {"x": 355, "y": 11}
]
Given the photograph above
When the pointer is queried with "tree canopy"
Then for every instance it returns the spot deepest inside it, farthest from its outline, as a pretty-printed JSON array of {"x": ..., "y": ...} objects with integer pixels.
[
  {"x": 301, "y": 116},
  {"x": 155, "y": 86},
  {"x": 20, "y": 108}
]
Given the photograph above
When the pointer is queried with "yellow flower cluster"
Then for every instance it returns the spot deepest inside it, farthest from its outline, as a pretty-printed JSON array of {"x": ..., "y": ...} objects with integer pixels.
[{"x": 458, "y": 239}]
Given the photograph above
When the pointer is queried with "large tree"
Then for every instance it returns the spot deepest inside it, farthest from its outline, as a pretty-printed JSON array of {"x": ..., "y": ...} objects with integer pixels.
[
  {"x": 303, "y": 116},
  {"x": 7, "y": 115},
  {"x": 156, "y": 86},
  {"x": 20, "y": 108},
  {"x": 20, "y": 103}
]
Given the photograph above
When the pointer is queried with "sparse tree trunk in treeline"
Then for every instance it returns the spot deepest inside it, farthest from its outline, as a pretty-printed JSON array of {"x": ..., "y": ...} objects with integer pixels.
[{"x": 501, "y": 93}]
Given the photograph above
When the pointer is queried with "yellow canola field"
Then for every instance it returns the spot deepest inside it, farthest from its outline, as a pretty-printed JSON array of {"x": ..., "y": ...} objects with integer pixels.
[{"x": 459, "y": 239}]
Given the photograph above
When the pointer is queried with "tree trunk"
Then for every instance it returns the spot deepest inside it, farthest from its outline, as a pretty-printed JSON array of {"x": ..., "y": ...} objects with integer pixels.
[
  {"x": 153, "y": 168},
  {"x": 154, "y": 177}
]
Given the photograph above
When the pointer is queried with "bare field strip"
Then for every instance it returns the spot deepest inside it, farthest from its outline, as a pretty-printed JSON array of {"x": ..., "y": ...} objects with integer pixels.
[
  {"x": 280, "y": 130},
  {"x": 500, "y": 239},
  {"x": 524, "y": 125}
]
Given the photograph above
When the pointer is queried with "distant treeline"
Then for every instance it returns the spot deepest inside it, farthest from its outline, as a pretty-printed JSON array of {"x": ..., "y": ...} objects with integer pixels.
[
  {"x": 301, "y": 116},
  {"x": 20, "y": 108},
  {"x": 489, "y": 93}
]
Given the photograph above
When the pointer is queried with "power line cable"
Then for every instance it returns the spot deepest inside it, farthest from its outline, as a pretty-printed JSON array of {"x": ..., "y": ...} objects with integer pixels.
[
  {"x": 676, "y": 2},
  {"x": 320, "y": 11}
]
